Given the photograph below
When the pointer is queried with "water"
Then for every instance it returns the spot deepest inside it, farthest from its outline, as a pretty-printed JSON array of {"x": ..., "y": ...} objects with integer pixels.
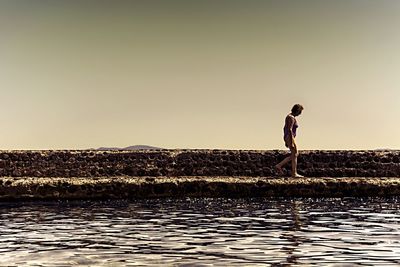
[{"x": 202, "y": 232}]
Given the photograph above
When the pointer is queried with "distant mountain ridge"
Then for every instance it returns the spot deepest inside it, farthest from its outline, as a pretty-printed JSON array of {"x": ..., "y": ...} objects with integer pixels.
[{"x": 135, "y": 147}]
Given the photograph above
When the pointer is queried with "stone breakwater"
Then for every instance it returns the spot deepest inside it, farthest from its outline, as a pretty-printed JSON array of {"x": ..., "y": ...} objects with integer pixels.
[
  {"x": 85, "y": 174},
  {"x": 175, "y": 163},
  {"x": 12, "y": 188}
]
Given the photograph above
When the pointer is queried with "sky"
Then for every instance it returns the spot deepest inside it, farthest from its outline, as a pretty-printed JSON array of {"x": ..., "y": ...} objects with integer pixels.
[{"x": 199, "y": 74}]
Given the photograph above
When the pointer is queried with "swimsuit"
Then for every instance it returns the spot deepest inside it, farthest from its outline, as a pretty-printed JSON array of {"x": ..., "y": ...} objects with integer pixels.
[
  {"x": 294, "y": 128},
  {"x": 287, "y": 133}
]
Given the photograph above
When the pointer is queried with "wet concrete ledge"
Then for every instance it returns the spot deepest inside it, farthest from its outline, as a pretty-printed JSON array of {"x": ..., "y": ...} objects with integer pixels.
[{"x": 56, "y": 188}]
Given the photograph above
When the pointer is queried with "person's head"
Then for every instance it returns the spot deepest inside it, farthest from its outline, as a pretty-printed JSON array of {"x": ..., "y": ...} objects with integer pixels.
[{"x": 297, "y": 109}]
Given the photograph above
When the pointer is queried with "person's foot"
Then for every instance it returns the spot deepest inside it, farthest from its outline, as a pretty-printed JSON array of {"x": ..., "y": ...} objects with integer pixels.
[{"x": 297, "y": 176}]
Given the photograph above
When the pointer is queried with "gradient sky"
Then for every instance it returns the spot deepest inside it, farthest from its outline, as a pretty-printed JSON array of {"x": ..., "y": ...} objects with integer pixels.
[{"x": 199, "y": 74}]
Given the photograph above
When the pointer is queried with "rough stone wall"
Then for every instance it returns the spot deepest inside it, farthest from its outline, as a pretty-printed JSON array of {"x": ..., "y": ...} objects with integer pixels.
[
  {"x": 17, "y": 188},
  {"x": 254, "y": 163}
]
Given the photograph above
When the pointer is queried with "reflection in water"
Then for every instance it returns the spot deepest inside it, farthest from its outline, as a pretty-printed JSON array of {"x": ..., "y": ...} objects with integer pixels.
[
  {"x": 221, "y": 232},
  {"x": 291, "y": 235}
]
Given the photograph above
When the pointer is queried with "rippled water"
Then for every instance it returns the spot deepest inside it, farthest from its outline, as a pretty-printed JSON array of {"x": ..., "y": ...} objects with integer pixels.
[{"x": 202, "y": 232}]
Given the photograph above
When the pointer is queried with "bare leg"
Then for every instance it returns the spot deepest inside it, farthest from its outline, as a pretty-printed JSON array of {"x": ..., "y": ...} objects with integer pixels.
[
  {"x": 294, "y": 163},
  {"x": 282, "y": 163}
]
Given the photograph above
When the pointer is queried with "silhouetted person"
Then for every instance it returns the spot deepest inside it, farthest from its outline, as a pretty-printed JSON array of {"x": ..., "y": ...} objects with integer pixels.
[{"x": 289, "y": 134}]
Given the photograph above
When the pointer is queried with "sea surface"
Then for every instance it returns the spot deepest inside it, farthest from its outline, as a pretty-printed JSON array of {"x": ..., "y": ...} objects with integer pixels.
[{"x": 202, "y": 232}]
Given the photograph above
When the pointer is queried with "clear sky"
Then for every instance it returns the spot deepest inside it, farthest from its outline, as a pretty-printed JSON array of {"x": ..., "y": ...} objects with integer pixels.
[{"x": 199, "y": 74}]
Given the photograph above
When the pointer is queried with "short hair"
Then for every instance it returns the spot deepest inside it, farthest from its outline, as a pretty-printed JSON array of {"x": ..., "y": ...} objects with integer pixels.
[{"x": 297, "y": 108}]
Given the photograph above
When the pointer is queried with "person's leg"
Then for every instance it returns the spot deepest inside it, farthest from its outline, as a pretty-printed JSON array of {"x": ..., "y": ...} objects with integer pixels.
[
  {"x": 294, "y": 162},
  {"x": 286, "y": 160},
  {"x": 282, "y": 163},
  {"x": 294, "y": 156}
]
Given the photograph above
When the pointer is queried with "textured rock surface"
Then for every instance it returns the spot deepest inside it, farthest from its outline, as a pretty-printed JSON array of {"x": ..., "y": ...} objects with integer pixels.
[
  {"x": 208, "y": 173},
  {"x": 12, "y": 188},
  {"x": 175, "y": 163}
]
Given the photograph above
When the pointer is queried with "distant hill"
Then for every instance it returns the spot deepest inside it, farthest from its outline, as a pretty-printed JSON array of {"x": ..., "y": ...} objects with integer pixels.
[{"x": 136, "y": 147}]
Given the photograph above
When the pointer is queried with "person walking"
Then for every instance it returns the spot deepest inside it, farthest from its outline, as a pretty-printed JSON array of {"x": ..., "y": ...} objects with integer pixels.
[{"x": 289, "y": 134}]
